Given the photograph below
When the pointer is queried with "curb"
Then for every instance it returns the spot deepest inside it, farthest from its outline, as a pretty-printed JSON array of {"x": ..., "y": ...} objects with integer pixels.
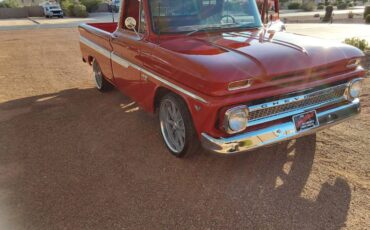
[{"x": 34, "y": 21}]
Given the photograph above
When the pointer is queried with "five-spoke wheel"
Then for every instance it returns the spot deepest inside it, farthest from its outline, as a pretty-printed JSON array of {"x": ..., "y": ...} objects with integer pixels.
[{"x": 176, "y": 126}]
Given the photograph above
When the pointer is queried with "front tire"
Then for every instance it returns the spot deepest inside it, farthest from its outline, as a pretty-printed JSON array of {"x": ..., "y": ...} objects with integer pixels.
[
  {"x": 177, "y": 127},
  {"x": 100, "y": 82}
]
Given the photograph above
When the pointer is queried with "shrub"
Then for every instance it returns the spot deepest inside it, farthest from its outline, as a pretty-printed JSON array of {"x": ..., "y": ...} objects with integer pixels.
[
  {"x": 9, "y": 4},
  {"x": 91, "y": 5},
  {"x": 350, "y": 5},
  {"x": 294, "y": 6},
  {"x": 320, "y": 7},
  {"x": 342, "y": 6},
  {"x": 79, "y": 10},
  {"x": 74, "y": 9},
  {"x": 362, "y": 44},
  {"x": 350, "y": 14},
  {"x": 328, "y": 14},
  {"x": 366, "y": 11},
  {"x": 67, "y": 7},
  {"x": 367, "y": 20},
  {"x": 309, "y": 6}
]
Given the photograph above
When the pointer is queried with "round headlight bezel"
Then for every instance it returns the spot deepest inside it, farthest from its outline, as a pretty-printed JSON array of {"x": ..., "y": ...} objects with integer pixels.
[
  {"x": 351, "y": 92},
  {"x": 231, "y": 123}
]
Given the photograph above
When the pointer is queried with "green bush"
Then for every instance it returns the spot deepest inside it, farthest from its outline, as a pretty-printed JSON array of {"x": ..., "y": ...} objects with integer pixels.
[
  {"x": 367, "y": 20},
  {"x": 9, "y": 4},
  {"x": 362, "y": 44},
  {"x": 91, "y": 5},
  {"x": 74, "y": 9},
  {"x": 309, "y": 6},
  {"x": 366, "y": 11},
  {"x": 320, "y": 7},
  {"x": 350, "y": 5},
  {"x": 67, "y": 7},
  {"x": 79, "y": 10},
  {"x": 294, "y": 6},
  {"x": 342, "y": 6}
]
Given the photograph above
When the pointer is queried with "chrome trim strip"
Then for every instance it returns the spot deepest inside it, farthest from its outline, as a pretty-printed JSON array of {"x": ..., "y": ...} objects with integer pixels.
[
  {"x": 125, "y": 63},
  {"x": 95, "y": 47},
  {"x": 278, "y": 133}
]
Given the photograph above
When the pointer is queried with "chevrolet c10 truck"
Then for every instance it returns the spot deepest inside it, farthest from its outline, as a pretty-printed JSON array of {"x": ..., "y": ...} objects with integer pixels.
[{"x": 218, "y": 77}]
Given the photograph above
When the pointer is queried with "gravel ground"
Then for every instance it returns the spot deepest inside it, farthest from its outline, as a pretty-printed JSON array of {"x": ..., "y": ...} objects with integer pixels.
[{"x": 73, "y": 158}]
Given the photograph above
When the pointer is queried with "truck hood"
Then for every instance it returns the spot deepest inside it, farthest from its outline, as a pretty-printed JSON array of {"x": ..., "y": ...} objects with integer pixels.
[{"x": 209, "y": 62}]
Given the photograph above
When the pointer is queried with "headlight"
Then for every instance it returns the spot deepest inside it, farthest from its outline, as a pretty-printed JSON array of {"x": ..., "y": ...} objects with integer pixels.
[
  {"x": 236, "y": 119},
  {"x": 354, "y": 89}
]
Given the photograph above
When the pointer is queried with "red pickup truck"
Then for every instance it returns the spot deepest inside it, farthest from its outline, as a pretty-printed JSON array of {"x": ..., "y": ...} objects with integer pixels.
[{"x": 217, "y": 77}]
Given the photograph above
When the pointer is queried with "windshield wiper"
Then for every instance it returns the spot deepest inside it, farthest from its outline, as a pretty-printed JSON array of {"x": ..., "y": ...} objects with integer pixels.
[
  {"x": 223, "y": 26},
  {"x": 203, "y": 29}
]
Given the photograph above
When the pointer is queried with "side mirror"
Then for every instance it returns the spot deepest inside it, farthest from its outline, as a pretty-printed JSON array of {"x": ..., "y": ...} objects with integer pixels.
[{"x": 130, "y": 23}]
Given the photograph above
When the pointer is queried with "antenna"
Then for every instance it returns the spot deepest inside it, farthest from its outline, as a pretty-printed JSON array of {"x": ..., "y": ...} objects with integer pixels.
[
  {"x": 159, "y": 15},
  {"x": 111, "y": 7}
]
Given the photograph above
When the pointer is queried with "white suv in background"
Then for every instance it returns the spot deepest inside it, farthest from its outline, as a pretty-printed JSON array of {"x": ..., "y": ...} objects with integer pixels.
[{"x": 53, "y": 10}]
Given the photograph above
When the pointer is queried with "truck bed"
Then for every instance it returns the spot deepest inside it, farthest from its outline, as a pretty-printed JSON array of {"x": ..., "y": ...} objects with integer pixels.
[
  {"x": 109, "y": 27},
  {"x": 95, "y": 43}
]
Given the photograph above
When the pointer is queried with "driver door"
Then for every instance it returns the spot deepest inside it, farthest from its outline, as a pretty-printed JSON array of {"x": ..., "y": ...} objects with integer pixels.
[{"x": 126, "y": 45}]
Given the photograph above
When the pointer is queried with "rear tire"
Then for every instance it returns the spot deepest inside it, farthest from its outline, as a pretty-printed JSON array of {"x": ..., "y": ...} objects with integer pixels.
[
  {"x": 100, "y": 82},
  {"x": 176, "y": 126}
]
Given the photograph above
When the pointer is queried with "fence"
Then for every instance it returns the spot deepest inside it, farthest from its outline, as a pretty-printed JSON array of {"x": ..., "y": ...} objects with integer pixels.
[{"x": 24, "y": 12}]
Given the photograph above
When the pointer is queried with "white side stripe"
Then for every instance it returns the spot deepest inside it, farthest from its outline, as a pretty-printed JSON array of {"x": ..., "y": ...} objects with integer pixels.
[
  {"x": 95, "y": 47},
  {"x": 124, "y": 63}
]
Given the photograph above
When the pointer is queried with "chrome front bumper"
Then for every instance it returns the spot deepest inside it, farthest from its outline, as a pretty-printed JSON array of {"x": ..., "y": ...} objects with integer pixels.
[{"x": 278, "y": 133}]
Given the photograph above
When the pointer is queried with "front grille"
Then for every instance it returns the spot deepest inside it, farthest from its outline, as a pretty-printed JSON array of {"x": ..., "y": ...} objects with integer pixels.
[{"x": 321, "y": 97}]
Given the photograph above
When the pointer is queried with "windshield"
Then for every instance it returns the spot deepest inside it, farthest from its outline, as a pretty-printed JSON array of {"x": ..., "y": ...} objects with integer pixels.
[{"x": 176, "y": 16}]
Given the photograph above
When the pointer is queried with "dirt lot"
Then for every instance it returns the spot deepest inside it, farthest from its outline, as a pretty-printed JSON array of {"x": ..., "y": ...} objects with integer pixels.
[{"x": 73, "y": 158}]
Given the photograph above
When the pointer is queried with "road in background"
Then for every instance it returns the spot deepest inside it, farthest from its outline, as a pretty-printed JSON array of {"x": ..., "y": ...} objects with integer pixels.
[
  {"x": 48, "y": 23},
  {"x": 337, "y": 32}
]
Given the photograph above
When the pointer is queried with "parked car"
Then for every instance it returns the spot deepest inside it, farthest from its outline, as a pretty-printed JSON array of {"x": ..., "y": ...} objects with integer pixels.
[
  {"x": 217, "y": 77},
  {"x": 53, "y": 10}
]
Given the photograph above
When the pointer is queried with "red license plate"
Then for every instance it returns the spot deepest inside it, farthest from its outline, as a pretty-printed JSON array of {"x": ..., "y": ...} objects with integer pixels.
[{"x": 305, "y": 121}]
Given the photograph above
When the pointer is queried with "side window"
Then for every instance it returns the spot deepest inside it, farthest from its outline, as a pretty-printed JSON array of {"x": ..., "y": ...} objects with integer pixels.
[{"x": 142, "y": 23}]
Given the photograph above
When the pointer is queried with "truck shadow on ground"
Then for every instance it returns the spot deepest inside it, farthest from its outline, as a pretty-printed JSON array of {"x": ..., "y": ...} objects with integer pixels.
[{"x": 78, "y": 159}]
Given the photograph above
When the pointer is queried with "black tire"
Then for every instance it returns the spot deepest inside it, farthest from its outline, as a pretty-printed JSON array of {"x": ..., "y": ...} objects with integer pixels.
[
  {"x": 191, "y": 143},
  {"x": 100, "y": 82}
]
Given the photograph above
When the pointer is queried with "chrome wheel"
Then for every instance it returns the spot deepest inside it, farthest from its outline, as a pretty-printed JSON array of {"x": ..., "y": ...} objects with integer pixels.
[
  {"x": 172, "y": 125},
  {"x": 98, "y": 76}
]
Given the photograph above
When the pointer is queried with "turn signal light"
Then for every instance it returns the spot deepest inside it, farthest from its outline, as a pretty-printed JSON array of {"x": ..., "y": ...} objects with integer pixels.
[
  {"x": 353, "y": 63},
  {"x": 242, "y": 84}
]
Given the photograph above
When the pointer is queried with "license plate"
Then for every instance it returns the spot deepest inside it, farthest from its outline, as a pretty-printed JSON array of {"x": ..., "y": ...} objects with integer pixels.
[{"x": 305, "y": 121}]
